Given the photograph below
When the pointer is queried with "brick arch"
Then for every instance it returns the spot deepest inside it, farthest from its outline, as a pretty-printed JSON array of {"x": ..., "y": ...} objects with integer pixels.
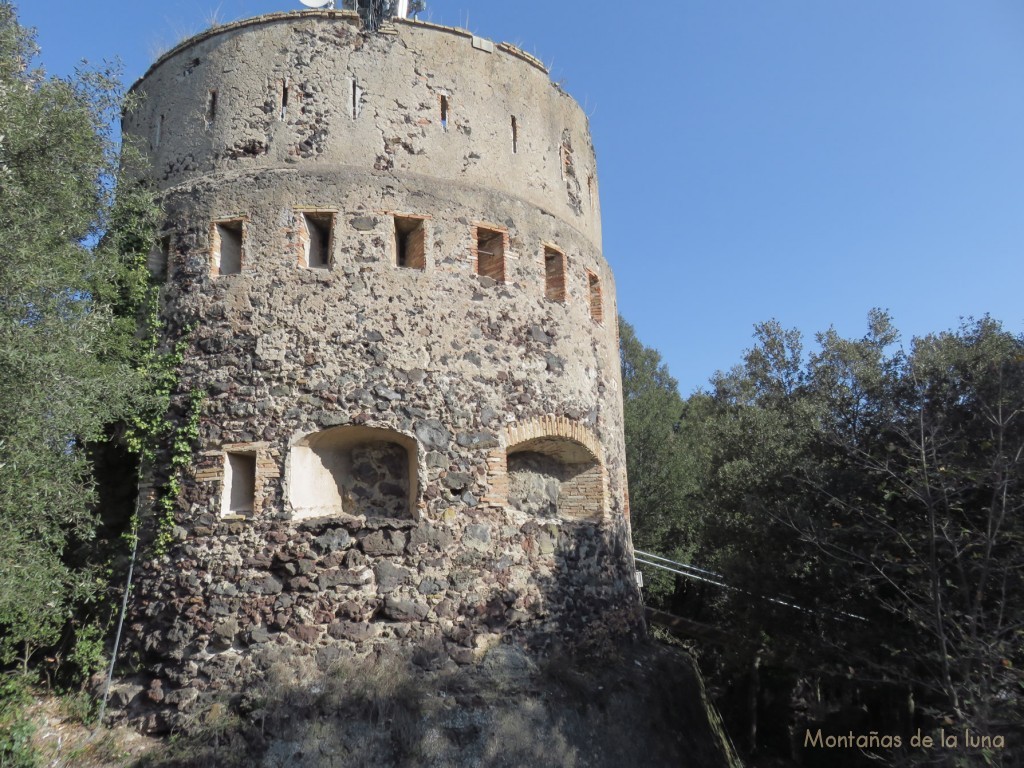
[
  {"x": 571, "y": 444},
  {"x": 553, "y": 426}
]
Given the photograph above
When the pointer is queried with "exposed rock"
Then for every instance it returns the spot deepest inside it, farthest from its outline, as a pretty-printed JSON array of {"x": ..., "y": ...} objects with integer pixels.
[
  {"x": 430, "y": 537},
  {"x": 477, "y": 439},
  {"x": 402, "y": 609},
  {"x": 333, "y": 540},
  {"x": 389, "y": 576},
  {"x": 343, "y": 576},
  {"x": 433, "y": 435},
  {"x": 364, "y": 223},
  {"x": 304, "y": 633},
  {"x": 477, "y": 537},
  {"x": 357, "y": 632},
  {"x": 384, "y": 543}
]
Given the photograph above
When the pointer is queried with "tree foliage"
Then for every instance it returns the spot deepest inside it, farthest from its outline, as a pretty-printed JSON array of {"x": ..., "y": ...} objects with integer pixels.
[
  {"x": 659, "y": 472},
  {"x": 68, "y": 311},
  {"x": 864, "y": 504},
  {"x": 653, "y": 410}
]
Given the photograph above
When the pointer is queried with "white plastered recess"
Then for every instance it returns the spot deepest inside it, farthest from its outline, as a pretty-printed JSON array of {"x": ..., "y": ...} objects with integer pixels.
[{"x": 322, "y": 475}]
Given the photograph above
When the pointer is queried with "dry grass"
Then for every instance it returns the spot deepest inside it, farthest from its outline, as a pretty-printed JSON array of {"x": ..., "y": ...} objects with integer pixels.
[{"x": 63, "y": 740}]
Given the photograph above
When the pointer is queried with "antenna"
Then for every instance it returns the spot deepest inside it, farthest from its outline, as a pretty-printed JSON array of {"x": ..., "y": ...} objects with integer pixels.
[
  {"x": 318, "y": 3},
  {"x": 375, "y": 12}
]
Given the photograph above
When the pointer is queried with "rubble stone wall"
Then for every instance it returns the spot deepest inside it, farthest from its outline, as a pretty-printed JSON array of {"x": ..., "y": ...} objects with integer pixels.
[{"x": 378, "y": 402}]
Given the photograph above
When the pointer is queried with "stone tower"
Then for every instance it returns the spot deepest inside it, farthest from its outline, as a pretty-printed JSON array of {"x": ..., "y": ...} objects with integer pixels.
[{"x": 382, "y": 254}]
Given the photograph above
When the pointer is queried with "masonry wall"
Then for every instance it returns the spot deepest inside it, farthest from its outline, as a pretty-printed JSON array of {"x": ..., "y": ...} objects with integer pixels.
[{"x": 384, "y": 379}]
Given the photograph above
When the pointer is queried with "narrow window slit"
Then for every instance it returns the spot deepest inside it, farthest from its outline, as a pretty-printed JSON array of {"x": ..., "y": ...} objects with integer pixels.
[
  {"x": 444, "y": 112},
  {"x": 227, "y": 247},
  {"x": 410, "y": 242},
  {"x": 515, "y": 136},
  {"x": 211, "y": 109},
  {"x": 317, "y": 239},
  {"x": 357, "y": 95},
  {"x": 284, "y": 98}
]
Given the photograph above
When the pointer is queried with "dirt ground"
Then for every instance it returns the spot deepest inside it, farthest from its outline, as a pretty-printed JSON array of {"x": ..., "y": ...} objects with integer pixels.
[{"x": 643, "y": 706}]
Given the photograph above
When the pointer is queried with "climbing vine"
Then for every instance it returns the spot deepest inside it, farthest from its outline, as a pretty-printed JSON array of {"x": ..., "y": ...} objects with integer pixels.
[
  {"x": 150, "y": 432},
  {"x": 184, "y": 437},
  {"x": 152, "y": 426}
]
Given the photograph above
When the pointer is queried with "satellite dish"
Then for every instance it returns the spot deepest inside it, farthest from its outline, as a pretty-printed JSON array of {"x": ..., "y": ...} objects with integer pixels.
[{"x": 318, "y": 3}]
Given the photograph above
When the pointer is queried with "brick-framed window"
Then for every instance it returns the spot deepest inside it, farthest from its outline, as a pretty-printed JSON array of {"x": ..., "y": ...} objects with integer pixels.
[
  {"x": 239, "y": 489},
  {"x": 243, "y": 471},
  {"x": 595, "y": 296},
  {"x": 554, "y": 274},
  {"x": 410, "y": 241},
  {"x": 490, "y": 245},
  {"x": 227, "y": 246}
]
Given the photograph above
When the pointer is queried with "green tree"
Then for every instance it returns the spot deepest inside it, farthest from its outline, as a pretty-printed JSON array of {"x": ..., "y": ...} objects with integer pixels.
[
  {"x": 660, "y": 471},
  {"x": 932, "y": 526},
  {"x": 68, "y": 313},
  {"x": 880, "y": 491}
]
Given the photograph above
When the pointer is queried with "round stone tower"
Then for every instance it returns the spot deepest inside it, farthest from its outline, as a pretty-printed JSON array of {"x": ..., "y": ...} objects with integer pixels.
[{"x": 382, "y": 254}]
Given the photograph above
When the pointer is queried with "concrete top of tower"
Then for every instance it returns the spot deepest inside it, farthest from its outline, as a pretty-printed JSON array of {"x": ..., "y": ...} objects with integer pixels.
[{"x": 349, "y": 17}]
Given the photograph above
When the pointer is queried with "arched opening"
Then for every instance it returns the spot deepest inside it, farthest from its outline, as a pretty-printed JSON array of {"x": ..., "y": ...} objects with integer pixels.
[
  {"x": 359, "y": 471},
  {"x": 555, "y": 477}
]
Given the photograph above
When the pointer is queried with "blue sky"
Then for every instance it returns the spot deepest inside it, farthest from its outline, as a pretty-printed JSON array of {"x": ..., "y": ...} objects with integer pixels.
[{"x": 804, "y": 160}]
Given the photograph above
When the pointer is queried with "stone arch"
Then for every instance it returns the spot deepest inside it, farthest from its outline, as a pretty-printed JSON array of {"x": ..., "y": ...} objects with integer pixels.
[
  {"x": 553, "y": 467},
  {"x": 353, "y": 470}
]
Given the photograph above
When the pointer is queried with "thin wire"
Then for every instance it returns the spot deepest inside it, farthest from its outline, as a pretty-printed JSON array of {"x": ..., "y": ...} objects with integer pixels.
[
  {"x": 684, "y": 573},
  {"x": 124, "y": 602},
  {"x": 681, "y": 565},
  {"x": 778, "y": 601}
]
